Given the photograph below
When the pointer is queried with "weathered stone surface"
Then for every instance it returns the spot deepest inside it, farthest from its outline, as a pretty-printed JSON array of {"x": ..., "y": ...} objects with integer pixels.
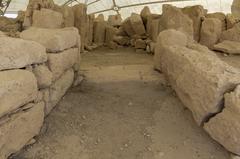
[
  {"x": 225, "y": 126},
  {"x": 59, "y": 63},
  {"x": 128, "y": 27},
  {"x": 90, "y": 28},
  {"x": 113, "y": 45},
  {"x": 230, "y": 47},
  {"x": 121, "y": 31},
  {"x": 99, "y": 32},
  {"x": 110, "y": 33},
  {"x": 137, "y": 24},
  {"x": 18, "y": 53},
  {"x": 232, "y": 34},
  {"x": 9, "y": 25},
  {"x": 152, "y": 26},
  {"x": 68, "y": 15},
  {"x": 55, "y": 40},
  {"x": 19, "y": 128},
  {"x": 140, "y": 44},
  {"x": 100, "y": 17},
  {"x": 196, "y": 13},
  {"x": 36, "y": 5},
  {"x": 18, "y": 87},
  {"x": 236, "y": 8},
  {"x": 231, "y": 21},
  {"x": 167, "y": 38},
  {"x": 46, "y": 18},
  {"x": 173, "y": 18},
  {"x": 58, "y": 90},
  {"x": 44, "y": 76},
  {"x": 198, "y": 76},
  {"x": 122, "y": 40},
  {"x": 145, "y": 13},
  {"x": 80, "y": 14},
  {"x": 210, "y": 32},
  {"x": 220, "y": 16},
  {"x": 115, "y": 20}
]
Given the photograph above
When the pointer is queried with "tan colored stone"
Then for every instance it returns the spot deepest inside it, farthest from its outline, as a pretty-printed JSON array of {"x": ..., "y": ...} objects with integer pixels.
[
  {"x": 110, "y": 33},
  {"x": 44, "y": 76},
  {"x": 18, "y": 53},
  {"x": 115, "y": 20},
  {"x": 19, "y": 128},
  {"x": 173, "y": 18},
  {"x": 167, "y": 38},
  {"x": 197, "y": 14},
  {"x": 232, "y": 34},
  {"x": 221, "y": 17},
  {"x": 235, "y": 8},
  {"x": 198, "y": 76},
  {"x": 128, "y": 27},
  {"x": 46, "y": 18},
  {"x": 210, "y": 32},
  {"x": 18, "y": 87},
  {"x": 55, "y": 40},
  {"x": 9, "y": 25},
  {"x": 225, "y": 126},
  {"x": 59, "y": 63},
  {"x": 231, "y": 21},
  {"x": 90, "y": 28},
  {"x": 122, "y": 40},
  {"x": 144, "y": 14},
  {"x": 230, "y": 47},
  {"x": 113, "y": 45},
  {"x": 99, "y": 32},
  {"x": 58, "y": 90},
  {"x": 137, "y": 24},
  {"x": 140, "y": 44}
]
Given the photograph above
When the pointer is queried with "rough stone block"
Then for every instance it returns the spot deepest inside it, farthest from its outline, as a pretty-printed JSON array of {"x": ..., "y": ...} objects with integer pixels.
[
  {"x": 18, "y": 87},
  {"x": 99, "y": 32},
  {"x": 140, "y": 44},
  {"x": 127, "y": 27},
  {"x": 55, "y": 40},
  {"x": 18, "y": 53},
  {"x": 220, "y": 16},
  {"x": 19, "y": 128},
  {"x": 59, "y": 63},
  {"x": 232, "y": 34},
  {"x": 44, "y": 76},
  {"x": 46, "y": 18},
  {"x": 230, "y": 47},
  {"x": 137, "y": 24},
  {"x": 115, "y": 20}
]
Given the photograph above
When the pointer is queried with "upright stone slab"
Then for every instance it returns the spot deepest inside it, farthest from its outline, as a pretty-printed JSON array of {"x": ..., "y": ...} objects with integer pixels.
[
  {"x": 110, "y": 33},
  {"x": 127, "y": 27},
  {"x": 90, "y": 28},
  {"x": 19, "y": 128},
  {"x": 115, "y": 20},
  {"x": 46, "y": 18},
  {"x": 197, "y": 14},
  {"x": 18, "y": 53},
  {"x": 55, "y": 40},
  {"x": 99, "y": 32},
  {"x": 59, "y": 63},
  {"x": 144, "y": 14},
  {"x": 173, "y": 18},
  {"x": 152, "y": 26},
  {"x": 198, "y": 76},
  {"x": 18, "y": 87},
  {"x": 235, "y": 8},
  {"x": 210, "y": 32},
  {"x": 137, "y": 24},
  {"x": 232, "y": 34},
  {"x": 68, "y": 15},
  {"x": 225, "y": 126}
]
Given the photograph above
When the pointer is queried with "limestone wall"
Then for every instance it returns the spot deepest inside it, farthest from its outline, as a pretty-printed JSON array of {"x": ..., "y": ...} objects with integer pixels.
[
  {"x": 206, "y": 85},
  {"x": 35, "y": 73}
]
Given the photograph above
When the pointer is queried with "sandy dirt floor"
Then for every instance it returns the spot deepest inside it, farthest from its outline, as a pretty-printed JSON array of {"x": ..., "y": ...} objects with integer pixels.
[{"x": 122, "y": 110}]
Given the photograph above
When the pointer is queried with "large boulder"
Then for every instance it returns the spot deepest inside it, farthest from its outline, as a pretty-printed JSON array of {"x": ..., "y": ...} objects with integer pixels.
[
  {"x": 198, "y": 76},
  {"x": 18, "y": 87},
  {"x": 46, "y": 18},
  {"x": 44, "y": 76},
  {"x": 67, "y": 13},
  {"x": 197, "y": 14},
  {"x": 58, "y": 90},
  {"x": 231, "y": 21},
  {"x": 18, "y": 53},
  {"x": 232, "y": 34},
  {"x": 59, "y": 63},
  {"x": 55, "y": 40},
  {"x": 18, "y": 129},
  {"x": 9, "y": 25},
  {"x": 110, "y": 33},
  {"x": 230, "y": 47},
  {"x": 221, "y": 16},
  {"x": 225, "y": 126},
  {"x": 173, "y": 18},
  {"x": 137, "y": 24},
  {"x": 210, "y": 32}
]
